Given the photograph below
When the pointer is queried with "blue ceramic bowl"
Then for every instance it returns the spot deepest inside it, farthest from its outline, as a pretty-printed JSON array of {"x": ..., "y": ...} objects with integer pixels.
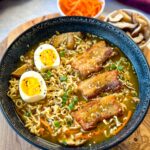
[{"x": 48, "y": 28}]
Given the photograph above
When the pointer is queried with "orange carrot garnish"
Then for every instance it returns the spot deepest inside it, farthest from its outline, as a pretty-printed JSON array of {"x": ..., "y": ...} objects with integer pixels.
[
  {"x": 88, "y": 8},
  {"x": 124, "y": 123},
  {"x": 45, "y": 123}
]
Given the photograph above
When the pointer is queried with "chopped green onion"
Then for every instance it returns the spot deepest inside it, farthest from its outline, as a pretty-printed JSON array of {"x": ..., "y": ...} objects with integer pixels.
[
  {"x": 71, "y": 106},
  {"x": 113, "y": 66},
  {"x": 49, "y": 74},
  {"x": 63, "y": 78},
  {"x": 62, "y": 53},
  {"x": 28, "y": 114},
  {"x": 75, "y": 100},
  {"x": 120, "y": 68},
  {"x": 57, "y": 124},
  {"x": 64, "y": 98}
]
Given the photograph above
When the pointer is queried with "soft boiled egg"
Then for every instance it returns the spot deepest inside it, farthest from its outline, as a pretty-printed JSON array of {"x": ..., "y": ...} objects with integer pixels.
[
  {"x": 32, "y": 87},
  {"x": 46, "y": 57}
]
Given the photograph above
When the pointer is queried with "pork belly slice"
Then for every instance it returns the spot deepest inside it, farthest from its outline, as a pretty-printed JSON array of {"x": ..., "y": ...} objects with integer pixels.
[
  {"x": 104, "y": 82},
  {"x": 93, "y": 59},
  {"x": 96, "y": 110}
]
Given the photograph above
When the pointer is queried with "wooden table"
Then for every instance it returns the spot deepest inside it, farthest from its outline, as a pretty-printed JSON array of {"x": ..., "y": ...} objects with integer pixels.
[{"x": 9, "y": 140}]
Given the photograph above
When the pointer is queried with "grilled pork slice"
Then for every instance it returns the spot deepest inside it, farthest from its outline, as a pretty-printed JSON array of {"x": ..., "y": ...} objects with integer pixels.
[
  {"x": 104, "y": 82},
  {"x": 93, "y": 59},
  {"x": 95, "y": 111}
]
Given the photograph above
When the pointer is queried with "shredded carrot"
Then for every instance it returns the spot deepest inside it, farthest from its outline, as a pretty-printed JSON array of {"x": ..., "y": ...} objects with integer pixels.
[
  {"x": 88, "y": 8},
  {"x": 74, "y": 7},
  {"x": 45, "y": 123},
  {"x": 41, "y": 131},
  {"x": 71, "y": 131},
  {"x": 124, "y": 123}
]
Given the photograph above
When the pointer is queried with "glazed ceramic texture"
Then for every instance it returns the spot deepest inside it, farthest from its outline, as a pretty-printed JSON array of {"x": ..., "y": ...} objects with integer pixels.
[{"x": 48, "y": 28}]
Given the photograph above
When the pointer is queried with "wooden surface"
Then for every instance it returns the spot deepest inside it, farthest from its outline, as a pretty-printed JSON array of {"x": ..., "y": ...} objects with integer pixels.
[{"x": 9, "y": 140}]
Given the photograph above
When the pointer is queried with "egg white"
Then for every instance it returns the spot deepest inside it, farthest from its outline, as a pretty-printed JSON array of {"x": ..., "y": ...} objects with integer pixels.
[
  {"x": 39, "y": 65},
  {"x": 43, "y": 87}
]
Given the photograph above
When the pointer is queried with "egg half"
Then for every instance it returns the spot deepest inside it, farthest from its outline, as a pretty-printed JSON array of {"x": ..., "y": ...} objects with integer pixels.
[
  {"x": 46, "y": 57},
  {"x": 32, "y": 87}
]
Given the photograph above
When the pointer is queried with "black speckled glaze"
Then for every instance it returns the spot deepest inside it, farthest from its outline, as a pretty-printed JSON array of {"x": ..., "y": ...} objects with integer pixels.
[{"x": 66, "y": 24}]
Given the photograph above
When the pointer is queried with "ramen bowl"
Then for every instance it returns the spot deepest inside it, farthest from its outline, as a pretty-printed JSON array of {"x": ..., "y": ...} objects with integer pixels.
[{"x": 48, "y": 28}]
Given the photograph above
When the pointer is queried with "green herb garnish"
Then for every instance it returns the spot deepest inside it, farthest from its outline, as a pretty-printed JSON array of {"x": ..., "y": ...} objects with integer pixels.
[
  {"x": 28, "y": 114},
  {"x": 49, "y": 74},
  {"x": 57, "y": 124},
  {"x": 113, "y": 67},
  {"x": 64, "y": 98},
  {"x": 120, "y": 68},
  {"x": 75, "y": 100},
  {"x": 63, "y": 78},
  {"x": 62, "y": 53},
  {"x": 71, "y": 106}
]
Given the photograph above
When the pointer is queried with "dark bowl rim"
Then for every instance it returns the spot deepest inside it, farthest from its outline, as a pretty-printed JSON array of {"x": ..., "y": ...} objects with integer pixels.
[{"x": 76, "y": 18}]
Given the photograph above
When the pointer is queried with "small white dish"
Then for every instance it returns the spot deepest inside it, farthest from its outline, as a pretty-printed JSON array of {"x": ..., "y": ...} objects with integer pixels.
[{"x": 96, "y": 16}]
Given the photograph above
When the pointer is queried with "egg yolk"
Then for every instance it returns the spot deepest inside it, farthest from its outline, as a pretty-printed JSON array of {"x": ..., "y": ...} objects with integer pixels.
[
  {"x": 31, "y": 86},
  {"x": 48, "y": 57}
]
